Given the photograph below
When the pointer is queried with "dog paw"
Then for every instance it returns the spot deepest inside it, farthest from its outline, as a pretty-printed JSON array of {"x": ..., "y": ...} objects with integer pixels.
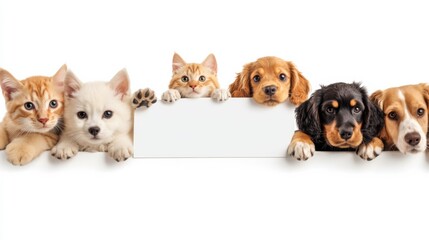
[
  {"x": 120, "y": 152},
  {"x": 64, "y": 151},
  {"x": 221, "y": 95},
  {"x": 20, "y": 154},
  {"x": 371, "y": 150},
  {"x": 3, "y": 143},
  {"x": 301, "y": 150},
  {"x": 143, "y": 97},
  {"x": 171, "y": 95}
]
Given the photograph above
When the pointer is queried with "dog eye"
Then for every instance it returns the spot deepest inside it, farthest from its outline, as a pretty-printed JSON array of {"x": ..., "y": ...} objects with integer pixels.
[
  {"x": 282, "y": 76},
  {"x": 356, "y": 110},
  {"x": 53, "y": 104},
  {"x": 29, "y": 105},
  {"x": 330, "y": 110},
  {"x": 256, "y": 78},
  {"x": 81, "y": 115},
  {"x": 185, "y": 79},
  {"x": 393, "y": 115},
  {"x": 107, "y": 114},
  {"x": 202, "y": 78},
  {"x": 420, "y": 112}
]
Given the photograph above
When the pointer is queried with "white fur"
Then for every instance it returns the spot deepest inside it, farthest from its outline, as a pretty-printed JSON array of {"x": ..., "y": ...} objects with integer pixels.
[
  {"x": 95, "y": 98},
  {"x": 221, "y": 95},
  {"x": 409, "y": 125},
  {"x": 171, "y": 95},
  {"x": 368, "y": 151},
  {"x": 301, "y": 150}
]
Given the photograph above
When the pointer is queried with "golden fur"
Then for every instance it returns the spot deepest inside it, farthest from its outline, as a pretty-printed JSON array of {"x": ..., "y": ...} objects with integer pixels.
[
  {"x": 296, "y": 87},
  {"x": 39, "y": 126}
]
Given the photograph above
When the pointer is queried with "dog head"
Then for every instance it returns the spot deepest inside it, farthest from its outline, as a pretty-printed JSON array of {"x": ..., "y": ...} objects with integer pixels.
[
  {"x": 406, "y": 117},
  {"x": 96, "y": 112},
  {"x": 270, "y": 81},
  {"x": 341, "y": 115}
]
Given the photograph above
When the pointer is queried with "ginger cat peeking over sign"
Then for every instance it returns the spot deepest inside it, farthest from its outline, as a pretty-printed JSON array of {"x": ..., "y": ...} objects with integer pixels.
[{"x": 193, "y": 80}]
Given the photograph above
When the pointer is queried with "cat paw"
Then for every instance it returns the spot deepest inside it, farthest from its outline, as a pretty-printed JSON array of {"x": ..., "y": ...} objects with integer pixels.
[
  {"x": 143, "y": 97},
  {"x": 64, "y": 151},
  {"x": 19, "y": 154},
  {"x": 221, "y": 95},
  {"x": 371, "y": 150},
  {"x": 171, "y": 95},
  {"x": 301, "y": 150},
  {"x": 120, "y": 152}
]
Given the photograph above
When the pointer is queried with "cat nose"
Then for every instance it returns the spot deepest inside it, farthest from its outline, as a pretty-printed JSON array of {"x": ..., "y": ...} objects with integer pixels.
[
  {"x": 193, "y": 86},
  {"x": 94, "y": 131},
  {"x": 42, "y": 120}
]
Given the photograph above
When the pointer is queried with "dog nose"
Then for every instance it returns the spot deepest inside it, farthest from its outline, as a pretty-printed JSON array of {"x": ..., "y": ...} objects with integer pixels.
[
  {"x": 42, "y": 120},
  {"x": 270, "y": 90},
  {"x": 94, "y": 131},
  {"x": 412, "y": 138},
  {"x": 346, "y": 134}
]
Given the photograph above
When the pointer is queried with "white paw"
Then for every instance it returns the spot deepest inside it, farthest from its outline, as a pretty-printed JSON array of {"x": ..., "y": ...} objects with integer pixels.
[
  {"x": 301, "y": 150},
  {"x": 368, "y": 151},
  {"x": 64, "y": 151},
  {"x": 221, "y": 95},
  {"x": 120, "y": 152},
  {"x": 171, "y": 95}
]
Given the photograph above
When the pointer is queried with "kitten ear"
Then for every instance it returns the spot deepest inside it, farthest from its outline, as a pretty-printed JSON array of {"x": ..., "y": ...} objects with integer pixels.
[
  {"x": 9, "y": 84},
  {"x": 210, "y": 62},
  {"x": 178, "y": 62},
  {"x": 59, "y": 78},
  {"x": 71, "y": 84},
  {"x": 120, "y": 83}
]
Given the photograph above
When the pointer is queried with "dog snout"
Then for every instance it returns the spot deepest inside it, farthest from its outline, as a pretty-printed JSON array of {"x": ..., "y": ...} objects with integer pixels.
[
  {"x": 346, "y": 133},
  {"x": 94, "y": 131},
  {"x": 270, "y": 90},
  {"x": 412, "y": 138}
]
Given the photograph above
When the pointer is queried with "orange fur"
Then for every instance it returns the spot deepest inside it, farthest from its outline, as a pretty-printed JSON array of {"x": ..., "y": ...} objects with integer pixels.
[
  {"x": 295, "y": 88},
  {"x": 333, "y": 137}
]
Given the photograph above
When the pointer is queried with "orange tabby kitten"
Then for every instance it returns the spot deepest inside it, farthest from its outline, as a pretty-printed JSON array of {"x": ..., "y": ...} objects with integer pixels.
[
  {"x": 192, "y": 80},
  {"x": 34, "y": 115}
]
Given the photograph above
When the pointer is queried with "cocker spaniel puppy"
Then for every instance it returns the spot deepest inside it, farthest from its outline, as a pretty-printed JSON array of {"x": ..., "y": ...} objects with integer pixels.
[
  {"x": 338, "y": 117},
  {"x": 406, "y": 117},
  {"x": 270, "y": 81}
]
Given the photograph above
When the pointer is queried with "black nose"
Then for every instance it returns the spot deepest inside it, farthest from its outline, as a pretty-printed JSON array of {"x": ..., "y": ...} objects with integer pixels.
[
  {"x": 412, "y": 138},
  {"x": 270, "y": 90},
  {"x": 94, "y": 131},
  {"x": 346, "y": 134}
]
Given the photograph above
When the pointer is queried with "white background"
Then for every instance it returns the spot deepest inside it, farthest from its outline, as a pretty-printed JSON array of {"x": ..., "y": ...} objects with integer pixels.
[{"x": 380, "y": 43}]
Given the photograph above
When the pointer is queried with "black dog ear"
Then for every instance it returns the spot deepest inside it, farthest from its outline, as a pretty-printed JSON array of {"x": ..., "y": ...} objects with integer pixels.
[
  {"x": 307, "y": 115},
  {"x": 373, "y": 118}
]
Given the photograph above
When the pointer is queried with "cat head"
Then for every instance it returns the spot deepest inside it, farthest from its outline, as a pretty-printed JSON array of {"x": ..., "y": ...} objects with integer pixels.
[
  {"x": 194, "y": 80},
  {"x": 35, "y": 104},
  {"x": 96, "y": 112}
]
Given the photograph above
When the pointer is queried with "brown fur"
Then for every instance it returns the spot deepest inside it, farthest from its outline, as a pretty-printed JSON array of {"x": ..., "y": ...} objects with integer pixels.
[
  {"x": 296, "y": 87},
  {"x": 300, "y": 136},
  {"x": 21, "y": 126},
  {"x": 333, "y": 137}
]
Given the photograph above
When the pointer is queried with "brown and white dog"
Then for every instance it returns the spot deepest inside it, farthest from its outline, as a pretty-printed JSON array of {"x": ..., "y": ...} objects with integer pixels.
[
  {"x": 406, "y": 117},
  {"x": 270, "y": 81}
]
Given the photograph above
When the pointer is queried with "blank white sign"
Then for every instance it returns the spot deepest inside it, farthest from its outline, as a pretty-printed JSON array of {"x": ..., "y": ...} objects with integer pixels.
[{"x": 238, "y": 127}]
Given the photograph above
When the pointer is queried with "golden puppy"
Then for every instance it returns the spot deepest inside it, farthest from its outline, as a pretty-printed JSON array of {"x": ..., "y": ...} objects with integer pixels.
[
  {"x": 270, "y": 81},
  {"x": 406, "y": 117}
]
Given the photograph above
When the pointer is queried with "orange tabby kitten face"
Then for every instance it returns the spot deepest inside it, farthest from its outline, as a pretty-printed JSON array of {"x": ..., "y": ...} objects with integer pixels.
[
  {"x": 194, "y": 80},
  {"x": 35, "y": 104}
]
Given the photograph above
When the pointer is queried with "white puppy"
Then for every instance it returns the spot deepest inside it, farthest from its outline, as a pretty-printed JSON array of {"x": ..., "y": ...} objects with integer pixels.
[{"x": 99, "y": 117}]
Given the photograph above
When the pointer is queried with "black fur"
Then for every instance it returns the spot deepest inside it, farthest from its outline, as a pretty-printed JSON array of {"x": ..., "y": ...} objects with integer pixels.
[{"x": 310, "y": 118}]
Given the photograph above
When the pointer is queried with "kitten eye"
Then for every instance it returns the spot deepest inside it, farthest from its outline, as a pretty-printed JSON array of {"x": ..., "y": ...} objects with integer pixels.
[
  {"x": 53, "y": 104},
  {"x": 357, "y": 110},
  {"x": 256, "y": 78},
  {"x": 420, "y": 112},
  {"x": 185, "y": 79},
  {"x": 330, "y": 110},
  {"x": 82, "y": 115},
  {"x": 393, "y": 115},
  {"x": 29, "y": 105},
  {"x": 107, "y": 114},
  {"x": 282, "y": 76},
  {"x": 202, "y": 78}
]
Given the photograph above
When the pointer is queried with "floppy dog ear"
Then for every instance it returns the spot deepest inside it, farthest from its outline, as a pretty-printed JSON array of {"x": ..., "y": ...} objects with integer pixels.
[
  {"x": 376, "y": 98},
  {"x": 307, "y": 115},
  {"x": 425, "y": 88},
  {"x": 373, "y": 116},
  {"x": 300, "y": 86},
  {"x": 241, "y": 86}
]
